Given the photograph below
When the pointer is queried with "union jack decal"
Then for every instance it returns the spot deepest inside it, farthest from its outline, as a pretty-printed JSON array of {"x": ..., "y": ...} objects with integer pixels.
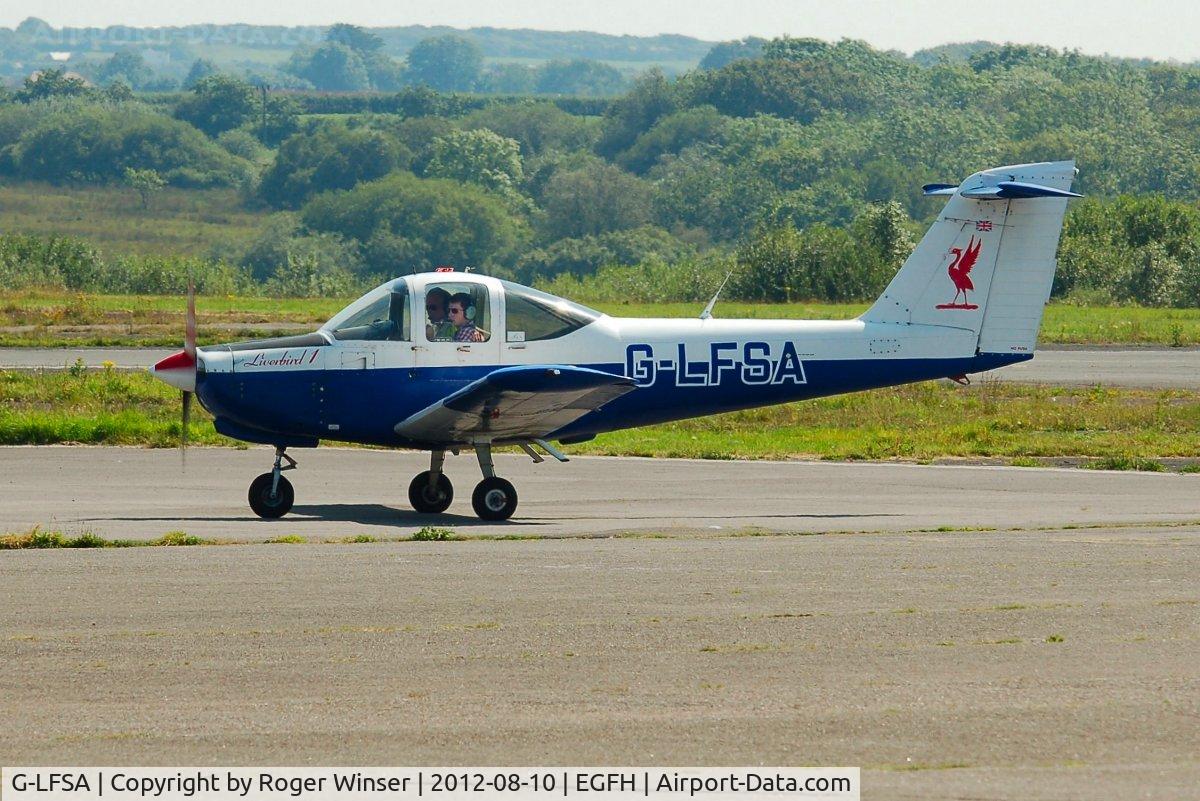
[{"x": 983, "y": 225}]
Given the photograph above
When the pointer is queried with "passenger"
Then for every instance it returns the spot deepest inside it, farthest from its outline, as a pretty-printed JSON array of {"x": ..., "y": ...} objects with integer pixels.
[
  {"x": 439, "y": 328},
  {"x": 460, "y": 308}
]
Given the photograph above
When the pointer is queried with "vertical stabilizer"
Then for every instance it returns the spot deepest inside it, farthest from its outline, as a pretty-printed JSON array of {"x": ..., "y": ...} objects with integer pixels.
[{"x": 987, "y": 264}]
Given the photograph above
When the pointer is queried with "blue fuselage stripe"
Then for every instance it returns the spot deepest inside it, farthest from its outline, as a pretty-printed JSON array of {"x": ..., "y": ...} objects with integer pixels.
[{"x": 295, "y": 406}]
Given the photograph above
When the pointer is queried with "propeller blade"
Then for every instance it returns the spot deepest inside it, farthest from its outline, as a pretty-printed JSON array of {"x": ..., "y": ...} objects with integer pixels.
[
  {"x": 189, "y": 336},
  {"x": 184, "y": 425}
]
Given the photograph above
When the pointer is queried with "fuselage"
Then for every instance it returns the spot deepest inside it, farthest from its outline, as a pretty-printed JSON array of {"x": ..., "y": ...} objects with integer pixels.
[{"x": 351, "y": 385}]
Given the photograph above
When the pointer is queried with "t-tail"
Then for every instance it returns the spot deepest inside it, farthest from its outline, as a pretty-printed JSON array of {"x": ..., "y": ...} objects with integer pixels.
[{"x": 987, "y": 264}]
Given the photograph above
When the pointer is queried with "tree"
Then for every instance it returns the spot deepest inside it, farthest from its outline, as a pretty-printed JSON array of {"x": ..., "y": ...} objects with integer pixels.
[
  {"x": 118, "y": 92},
  {"x": 724, "y": 52},
  {"x": 34, "y": 28},
  {"x": 592, "y": 200},
  {"x": 127, "y": 66},
  {"x": 201, "y": 69},
  {"x": 479, "y": 157},
  {"x": 330, "y": 157},
  {"x": 787, "y": 48},
  {"x": 447, "y": 63},
  {"x": 699, "y": 191},
  {"x": 585, "y": 255},
  {"x": 581, "y": 76},
  {"x": 146, "y": 182},
  {"x": 795, "y": 88},
  {"x": 350, "y": 60},
  {"x": 281, "y": 244},
  {"x": 672, "y": 134},
  {"x": 405, "y": 224},
  {"x": 95, "y": 143},
  {"x": 509, "y": 79},
  {"x": 537, "y": 125},
  {"x": 218, "y": 103},
  {"x": 52, "y": 83},
  {"x": 332, "y": 67},
  {"x": 280, "y": 118},
  {"x": 358, "y": 39},
  {"x": 630, "y": 116}
]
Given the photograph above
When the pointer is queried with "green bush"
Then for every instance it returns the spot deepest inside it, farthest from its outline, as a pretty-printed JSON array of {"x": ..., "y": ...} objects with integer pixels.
[
  {"x": 62, "y": 142},
  {"x": 404, "y": 224}
]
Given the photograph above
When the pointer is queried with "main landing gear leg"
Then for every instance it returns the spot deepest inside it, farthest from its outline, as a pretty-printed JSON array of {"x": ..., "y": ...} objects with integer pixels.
[
  {"x": 271, "y": 495},
  {"x": 431, "y": 492},
  {"x": 493, "y": 498}
]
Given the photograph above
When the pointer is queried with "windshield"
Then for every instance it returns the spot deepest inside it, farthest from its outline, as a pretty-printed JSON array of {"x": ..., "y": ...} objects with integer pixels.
[{"x": 382, "y": 313}]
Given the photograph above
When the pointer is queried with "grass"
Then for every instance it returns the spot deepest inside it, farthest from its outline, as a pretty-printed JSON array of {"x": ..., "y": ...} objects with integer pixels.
[
  {"x": 38, "y": 538},
  {"x": 53, "y": 318},
  {"x": 432, "y": 534},
  {"x": 103, "y": 406},
  {"x": 1126, "y": 461},
  {"x": 927, "y": 421},
  {"x": 921, "y": 422},
  {"x": 178, "y": 222},
  {"x": 1062, "y": 324}
]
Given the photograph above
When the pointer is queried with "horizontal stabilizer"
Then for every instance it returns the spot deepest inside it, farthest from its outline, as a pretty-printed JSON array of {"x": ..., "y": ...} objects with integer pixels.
[
  {"x": 939, "y": 189},
  {"x": 1013, "y": 190}
]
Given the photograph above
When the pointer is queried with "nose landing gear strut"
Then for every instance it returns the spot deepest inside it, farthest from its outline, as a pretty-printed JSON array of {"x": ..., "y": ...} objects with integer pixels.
[{"x": 271, "y": 495}]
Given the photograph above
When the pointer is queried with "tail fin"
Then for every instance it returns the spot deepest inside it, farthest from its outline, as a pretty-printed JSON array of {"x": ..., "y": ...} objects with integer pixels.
[{"x": 987, "y": 264}]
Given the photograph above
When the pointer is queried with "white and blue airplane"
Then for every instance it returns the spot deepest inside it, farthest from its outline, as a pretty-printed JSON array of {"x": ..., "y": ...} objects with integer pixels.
[{"x": 515, "y": 366}]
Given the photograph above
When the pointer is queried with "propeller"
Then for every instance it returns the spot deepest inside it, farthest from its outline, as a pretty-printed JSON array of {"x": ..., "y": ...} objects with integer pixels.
[
  {"x": 189, "y": 349},
  {"x": 179, "y": 370}
]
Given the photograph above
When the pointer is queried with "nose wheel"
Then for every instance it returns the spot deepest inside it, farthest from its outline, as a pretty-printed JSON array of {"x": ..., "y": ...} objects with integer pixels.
[
  {"x": 431, "y": 492},
  {"x": 271, "y": 495}
]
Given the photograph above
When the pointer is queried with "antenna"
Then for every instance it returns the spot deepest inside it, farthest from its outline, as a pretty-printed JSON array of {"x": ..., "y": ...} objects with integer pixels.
[{"x": 707, "y": 313}]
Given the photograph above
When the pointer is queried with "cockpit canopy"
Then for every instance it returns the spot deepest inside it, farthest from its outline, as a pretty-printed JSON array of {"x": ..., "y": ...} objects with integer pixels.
[{"x": 386, "y": 312}]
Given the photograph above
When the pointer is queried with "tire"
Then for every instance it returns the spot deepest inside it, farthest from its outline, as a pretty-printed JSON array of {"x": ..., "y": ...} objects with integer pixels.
[
  {"x": 494, "y": 499},
  {"x": 427, "y": 502},
  {"x": 263, "y": 504}
]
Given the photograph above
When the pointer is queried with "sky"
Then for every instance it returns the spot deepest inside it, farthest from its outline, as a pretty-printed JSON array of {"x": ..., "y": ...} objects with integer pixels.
[{"x": 1161, "y": 29}]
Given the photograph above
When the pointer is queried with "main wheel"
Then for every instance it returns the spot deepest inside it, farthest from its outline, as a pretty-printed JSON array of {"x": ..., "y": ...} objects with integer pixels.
[
  {"x": 261, "y": 501},
  {"x": 430, "y": 500},
  {"x": 494, "y": 499}
]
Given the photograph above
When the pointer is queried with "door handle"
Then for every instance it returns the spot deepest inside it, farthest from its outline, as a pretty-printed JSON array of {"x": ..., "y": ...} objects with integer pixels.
[{"x": 464, "y": 348}]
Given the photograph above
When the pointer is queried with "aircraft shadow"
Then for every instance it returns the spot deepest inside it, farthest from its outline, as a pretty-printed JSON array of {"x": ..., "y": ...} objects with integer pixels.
[
  {"x": 368, "y": 513},
  {"x": 750, "y": 516},
  {"x": 379, "y": 514}
]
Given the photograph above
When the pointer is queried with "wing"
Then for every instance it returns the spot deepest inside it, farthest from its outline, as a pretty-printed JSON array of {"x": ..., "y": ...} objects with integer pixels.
[
  {"x": 970, "y": 256},
  {"x": 514, "y": 404}
]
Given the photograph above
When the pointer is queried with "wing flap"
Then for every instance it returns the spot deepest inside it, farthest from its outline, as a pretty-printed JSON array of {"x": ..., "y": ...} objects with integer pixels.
[{"x": 515, "y": 403}]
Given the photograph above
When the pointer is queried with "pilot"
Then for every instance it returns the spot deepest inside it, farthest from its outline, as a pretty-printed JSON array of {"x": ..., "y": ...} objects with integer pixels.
[
  {"x": 462, "y": 315},
  {"x": 439, "y": 328}
]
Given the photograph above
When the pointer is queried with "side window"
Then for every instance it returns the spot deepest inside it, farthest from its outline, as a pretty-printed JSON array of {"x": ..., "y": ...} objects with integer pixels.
[
  {"x": 531, "y": 315},
  {"x": 457, "y": 312}
]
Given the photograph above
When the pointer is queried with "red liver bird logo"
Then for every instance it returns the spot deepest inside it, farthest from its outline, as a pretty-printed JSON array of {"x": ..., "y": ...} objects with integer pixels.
[{"x": 960, "y": 274}]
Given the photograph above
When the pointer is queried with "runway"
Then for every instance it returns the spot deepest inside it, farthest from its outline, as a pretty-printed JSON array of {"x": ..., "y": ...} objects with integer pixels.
[
  {"x": 959, "y": 665},
  {"x": 959, "y": 632},
  {"x": 1133, "y": 367},
  {"x": 136, "y": 493}
]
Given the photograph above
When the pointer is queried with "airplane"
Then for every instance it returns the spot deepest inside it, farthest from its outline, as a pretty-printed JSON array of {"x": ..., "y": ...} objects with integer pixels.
[{"x": 512, "y": 365}]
